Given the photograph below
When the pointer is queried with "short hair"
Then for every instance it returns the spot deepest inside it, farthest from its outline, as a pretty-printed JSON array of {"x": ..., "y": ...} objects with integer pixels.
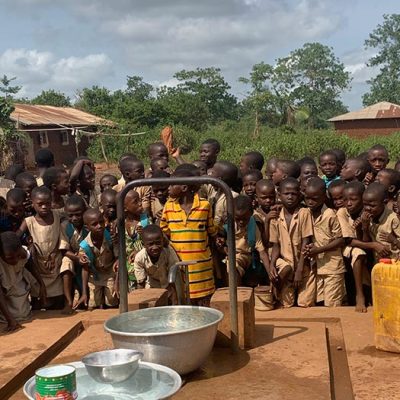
[
  {"x": 290, "y": 181},
  {"x": 156, "y": 160},
  {"x": 316, "y": 183},
  {"x": 377, "y": 189},
  {"x": 242, "y": 202},
  {"x": 157, "y": 145},
  {"x": 306, "y": 161},
  {"x": 127, "y": 155},
  {"x": 184, "y": 173},
  {"x": 214, "y": 143},
  {"x": 108, "y": 192},
  {"x": 110, "y": 176},
  {"x": 40, "y": 191},
  {"x": 378, "y": 147},
  {"x": 268, "y": 183},
  {"x": 9, "y": 241},
  {"x": 24, "y": 177},
  {"x": 161, "y": 174},
  {"x": 394, "y": 177},
  {"x": 52, "y": 175},
  {"x": 230, "y": 172},
  {"x": 75, "y": 200},
  {"x": 16, "y": 194},
  {"x": 128, "y": 163},
  {"x": 289, "y": 167},
  {"x": 340, "y": 155},
  {"x": 339, "y": 183},
  {"x": 254, "y": 173},
  {"x": 362, "y": 164},
  {"x": 357, "y": 186},
  {"x": 256, "y": 159},
  {"x": 12, "y": 171},
  {"x": 91, "y": 212},
  {"x": 328, "y": 153},
  {"x": 44, "y": 158},
  {"x": 151, "y": 229}
]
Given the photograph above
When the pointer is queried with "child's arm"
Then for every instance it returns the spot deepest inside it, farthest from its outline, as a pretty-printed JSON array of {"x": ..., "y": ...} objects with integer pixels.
[
  {"x": 84, "y": 297},
  {"x": 31, "y": 266},
  {"x": 298, "y": 275},
  {"x": 12, "y": 324},
  {"x": 311, "y": 250},
  {"x": 22, "y": 229}
]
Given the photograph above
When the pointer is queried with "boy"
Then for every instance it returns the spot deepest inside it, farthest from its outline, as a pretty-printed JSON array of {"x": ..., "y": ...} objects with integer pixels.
[
  {"x": 8, "y": 181},
  {"x": 158, "y": 150},
  {"x": 44, "y": 159},
  {"x": 253, "y": 160},
  {"x": 354, "y": 169},
  {"x": 107, "y": 181},
  {"x": 153, "y": 262},
  {"x": 131, "y": 170},
  {"x": 82, "y": 180},
  {"x": 57, "y": 180},
  {"x": 250, "y": 180},
  {"x": 201, "y": 166},
  {"x": 390, "y": 179},
  {"x": 340, "y": 158},
  {"x": 378, "y": 158},
  {"x": 159, "y": 196},
  {"x": 285, "y": 169},
  {"x": 15, "y": 210},
  {"x": 289, "y": 236},
  {"x": 187, "y": 221},
  {"x": 336, "y": 196},
  {"x": 27, "y": 183},
  {"x": 209, "y": 151},
  {"x": 108, "y": 204},
  {"x": 327, "y": 245},
  {"x": 329, "y": 167},
  {"x": 158, "y": 164},
  {"x": 97, "y": 257},
  {"x": 308, "y": 169},
  {"x": 16, "y": 282},
  {"x": 270, "y": 167}
]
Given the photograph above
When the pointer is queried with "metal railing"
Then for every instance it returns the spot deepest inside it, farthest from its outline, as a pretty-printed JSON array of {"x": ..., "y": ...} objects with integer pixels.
[{"x": 123, "y": 273}]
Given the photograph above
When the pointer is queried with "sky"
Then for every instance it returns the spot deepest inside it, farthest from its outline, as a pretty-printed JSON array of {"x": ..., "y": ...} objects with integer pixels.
[{"x": 68, "y": 45}]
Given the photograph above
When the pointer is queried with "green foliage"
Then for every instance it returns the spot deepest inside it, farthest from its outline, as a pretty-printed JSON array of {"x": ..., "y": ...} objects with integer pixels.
[
  {"x": 52, "y": 98},
  {"x": 385, "y": 40},
  {"x": 6, "y": 88}
]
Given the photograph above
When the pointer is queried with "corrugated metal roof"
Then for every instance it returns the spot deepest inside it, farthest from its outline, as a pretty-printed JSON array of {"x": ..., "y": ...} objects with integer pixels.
[
  {"x": 380, "y": 110},
  {"x": 28, "y": 114}
]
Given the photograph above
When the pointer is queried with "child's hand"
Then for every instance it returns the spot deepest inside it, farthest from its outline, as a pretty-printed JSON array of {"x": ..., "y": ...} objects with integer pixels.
[
  {"x": 357, "y": 223},
  {"x": 84, "y": 260},
  {"x": 116, "y": 266},
  {"x": 310, "y": 250},
  {"x": 273, "y": 274},
  {"x": 172, "y": 295},
  {"x": 51, "y": 262},
  {"x": 82, "y": 300},
  {"x": 131, "y": 257},
  {"x": 369, "y": 178},
  {"x": 383, "y": 250},
  {"x": 139, "y": 230},
  {"x": 387, "y": 237},
  {"x": 176, "y": 152},
  {"x": 365, "y": 220},
  {"x": 159, "y": 215},
  {"x": 298, "y": 278},
  {"x": 13, "y": 326},
  {"x": 116, "y": 288}
]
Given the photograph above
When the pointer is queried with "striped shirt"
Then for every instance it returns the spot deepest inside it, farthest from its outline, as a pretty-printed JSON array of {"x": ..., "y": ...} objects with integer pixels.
[{"x": 188, "y": 235}]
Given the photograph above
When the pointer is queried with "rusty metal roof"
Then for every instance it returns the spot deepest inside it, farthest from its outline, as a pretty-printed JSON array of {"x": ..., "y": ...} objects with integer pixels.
[
  {"x": 27, "y": 114},
  {"x": 380, "y": 110}
]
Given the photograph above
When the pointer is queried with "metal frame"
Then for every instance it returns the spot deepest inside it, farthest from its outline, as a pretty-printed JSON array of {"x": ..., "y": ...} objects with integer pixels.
[{"x": 123, "y": 273}]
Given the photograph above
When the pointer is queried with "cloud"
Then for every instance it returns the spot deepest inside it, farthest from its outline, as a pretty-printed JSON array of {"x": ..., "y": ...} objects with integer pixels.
[{"x": 37, "y": 71}]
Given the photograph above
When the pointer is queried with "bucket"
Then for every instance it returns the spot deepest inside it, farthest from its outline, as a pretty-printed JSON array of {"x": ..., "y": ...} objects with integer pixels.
[
  {"x": 56, "y": 382},
  {"x": 263, "y": 298}
]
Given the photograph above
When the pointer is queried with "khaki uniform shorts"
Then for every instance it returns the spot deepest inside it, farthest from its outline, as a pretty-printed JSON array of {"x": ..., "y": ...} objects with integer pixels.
[
  {"x": 99, "y": 294},
  {"x": 330, "y": 289}
]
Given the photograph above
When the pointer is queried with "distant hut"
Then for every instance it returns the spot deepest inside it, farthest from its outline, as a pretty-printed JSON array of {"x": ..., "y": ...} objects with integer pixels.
[{"x": 379, "y": 119}]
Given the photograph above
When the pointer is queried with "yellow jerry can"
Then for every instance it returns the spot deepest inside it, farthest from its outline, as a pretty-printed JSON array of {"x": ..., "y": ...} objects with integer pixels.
[{"x": 386, "y": 301}]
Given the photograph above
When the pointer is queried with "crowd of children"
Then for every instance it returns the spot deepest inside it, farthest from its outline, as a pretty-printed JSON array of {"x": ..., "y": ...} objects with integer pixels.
[{"x": 313, "y": 239}]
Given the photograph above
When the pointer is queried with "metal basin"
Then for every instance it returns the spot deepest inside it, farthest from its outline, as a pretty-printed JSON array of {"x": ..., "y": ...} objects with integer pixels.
[{"x": 179, "y": 337}]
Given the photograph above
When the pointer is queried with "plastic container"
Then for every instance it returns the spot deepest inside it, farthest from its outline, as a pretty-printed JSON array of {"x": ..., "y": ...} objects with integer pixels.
[
  {"x": 386, "y": 301},
  {"x": 263, "y": 298}
]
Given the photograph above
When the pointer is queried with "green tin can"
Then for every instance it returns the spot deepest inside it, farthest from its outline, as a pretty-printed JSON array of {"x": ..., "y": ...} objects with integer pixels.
[{"x": 56, "y": 382}]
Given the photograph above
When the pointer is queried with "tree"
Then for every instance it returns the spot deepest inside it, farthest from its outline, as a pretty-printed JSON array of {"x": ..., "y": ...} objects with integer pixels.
[
  {"x": 385, "y": 39},
  {"x": 5, "y": 87},
  {"x": 96, "y": 100},
  {"x": 52, "y": 98}
]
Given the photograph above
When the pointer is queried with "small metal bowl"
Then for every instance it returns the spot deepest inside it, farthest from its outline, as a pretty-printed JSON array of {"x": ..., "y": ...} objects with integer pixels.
[{"x": 112, "y": 366}]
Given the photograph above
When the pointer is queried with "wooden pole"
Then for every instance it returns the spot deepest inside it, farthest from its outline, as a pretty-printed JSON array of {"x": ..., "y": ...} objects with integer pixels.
[{"x": 102, "y": 149}]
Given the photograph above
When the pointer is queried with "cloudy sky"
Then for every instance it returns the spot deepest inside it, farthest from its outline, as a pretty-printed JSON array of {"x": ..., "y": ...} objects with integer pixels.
[{"x": 68, "y": 45}]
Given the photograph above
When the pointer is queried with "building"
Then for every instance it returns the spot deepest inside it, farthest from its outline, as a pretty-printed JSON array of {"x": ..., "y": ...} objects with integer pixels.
[
  {"x": 65, "y": 131},
  {"x": 379, "y": 119}
]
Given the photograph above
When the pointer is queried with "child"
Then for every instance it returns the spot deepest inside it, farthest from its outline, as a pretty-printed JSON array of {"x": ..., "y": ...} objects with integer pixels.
[
  {"x": 266, "y": 211},
  {"x": 107, "y": 181},
  {"x": 285, "y": 169},
  {"x": 158, "y": 164},
  {"x": 16, "y": 282},
  {"x": 15, "y": 210},
  {"x": 83, "y": 179},
  {"x": 97, "y": 257},
  {"x": 187, "y": 221},
  {"x": 336, "y": 196},
  {"x": 354, "y": 169},
  {"x": 27, "y": 183},
  {"x": 8, "y": 181},
  {"x": 289, "y": 235},
  {"x": 378, "y": 158},
  {"x": 209, "y": 151},
  {"x": 57, "y": 180},
  {"x": 340, "y": 158},
  {"x": 75, "y": 232},
  {"x": 326, "y": 248},
  {"x": 131, "y": 170},
  {"x": 329, "y": 167},
  {"x": 49, "y": 244},
  {"x": 308, "y": 169},
  {"x": 201, "y": 166},
  {"x": 44, "y": 159},
  {"x": 159, "y": 197},
  {"x": 253, "y": 160},
  {"x": 121, "y": 180},
  {"x": 270, "y": 167},
  {"x": 158, "y": 150},
  {"x": 108, "y": 202},
  {"x": 153, "y": 262},
  {"x": 250, "y": 180},
  {"x": 390, "y": 179}
]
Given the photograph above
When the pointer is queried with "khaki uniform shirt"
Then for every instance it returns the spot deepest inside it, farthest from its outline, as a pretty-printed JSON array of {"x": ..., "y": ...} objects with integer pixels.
[
  {"x": 346, "y": 223},
  {"x": 326, "y": 229},
  {"x": 144, "y": 193}
]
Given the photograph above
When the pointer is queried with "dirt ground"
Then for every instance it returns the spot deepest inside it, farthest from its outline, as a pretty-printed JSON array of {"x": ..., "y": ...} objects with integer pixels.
[{"x": 298, "y": 353}]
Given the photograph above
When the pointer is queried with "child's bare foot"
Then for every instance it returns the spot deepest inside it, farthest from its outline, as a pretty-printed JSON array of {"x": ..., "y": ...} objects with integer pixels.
[
  {"x": 67, "y": 310},
  {"x": 360, "y": 304}
]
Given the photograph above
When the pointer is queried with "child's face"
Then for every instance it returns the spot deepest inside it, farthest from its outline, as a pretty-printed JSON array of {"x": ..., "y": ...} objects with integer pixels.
[
  {"x": 87, "y": 180},
  {"x": 278, "y": 176},
  {"x": 270, "y": 169},
  {"x": 13, "y": 257},
  {"x": 107, "y": 183},
  {"x": 28, "y": 186},
  {"x": 373, "y": 204},
  {"x": 16, "y": 209},
  {"x": 132, "y": 204},
  {"x": 62, "y": 187},
  {"x": 290, "y": 196},
  {"x": 161, "y": 165},
  {"x": 349, "y": 171},
  {"x": 159, "y": 152},
  {"x": 314, "y": 198},
  {"x": 109, "y": 206},
  {"x": 307, "y": 171},
  {"x": 265, "y": 197},
  {"x": 153, "y": 244},
  {"x": 352, "y": 201},
  {"x": 249, "y": 185},
  {"x": 242, "y": 217},
  {"x": 177, "y": 191},
  {"x": 337, "y": 196},
  {"x": 75, "y": 215},
  {"x": 378, "y": 159},
  {"x": 131, "y": 174},
  {"x": 244, "y": 165},
  {"x": 328, "y": 165},
  {"x": 161, "y": 193},
  {"x": 208, "y": 154},
  {"x": 201, "y": 166},
  {"x": 42, "y": 204},
  {"x": 95, "y": 224},
  {"x": 384, "y": 179}
]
